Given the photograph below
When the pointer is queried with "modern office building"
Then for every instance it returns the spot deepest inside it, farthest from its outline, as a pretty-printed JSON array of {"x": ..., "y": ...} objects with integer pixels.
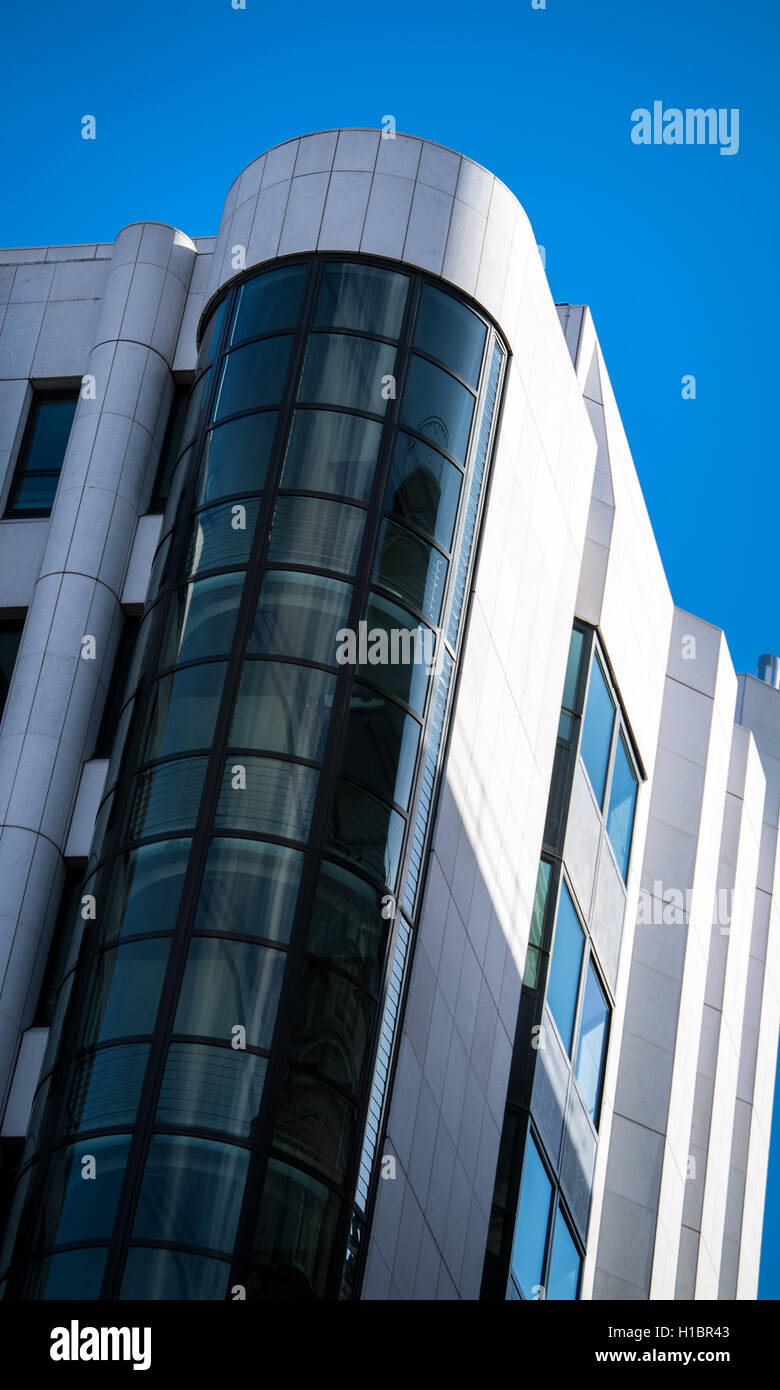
[{"x": 388, "y": 866}]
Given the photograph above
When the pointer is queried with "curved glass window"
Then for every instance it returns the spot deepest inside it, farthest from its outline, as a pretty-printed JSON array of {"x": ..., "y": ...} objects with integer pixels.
[
  {"x": 344, "y": 371},
  {"x": 228, "y": 984},
  {"x": 367, "y": 831},
  {"x": 380, "y": 749},
  {"x": 424, "y": 489},
  {"x": 347, "y": 928},
  {"x": 314, "y": 1124},
  {"x": 448, "y": 331},
  {"x": 597, "y": 730},
  {"x": 166, "y": 797},
  {"x": 180, "y": 477},
  {"x": 436, "y": 405},
  {"x": 57, "y": 1023},
  {"x": 300, "y": 615},
  {"x": 332, "y": 1029},
  {"x": 211, "y": 1088},
  {"x": 564, "y": 978},
  {"x": 194, "y": 407},
  {"x": 312, "y": 531},
  {"x": 208, "y": 342},
  {"x": 331, "y": 452},
  {"x": 622, "y": 804},
  {"x": 267, "y": 303},
  {"x": 124, "y": 992},
  {"x": 15, "y": 1216},
  {"x": 173, "y": 1275},
  {"x": 294, "y": 1239},
  {"x": 71, "y": 1275},
  {"x": 201, "y": 619},
  {"x": 235, "y": 457},
  {"x": 82, "y": 1191},
  {"x": 400, "y": 651},
  {"x": 412, "y": 570},
  {"x": 252, "y": 376},
  {"x": 182, "y": 711},
  {"x": 145, "y": 890},
  {"x": 118, "y": 745},
  {"x": 362, "y": 297},
  {"x": 222, "y": 536},
  {"x": 283, "y": 709},
  {"x": 591, "y": 1047},
  {"x": 533, "y": 1215},
  {"x": 158, "y": 576},
  {"x": 146, "y": 633},
  {"x": 249, "y": 888},
  {"x": 191, "y": 1192},
  {"x": 564, "y": 1277},
  {"x": 267, "y": 796},
  {"x": 106, "y": 1087},
  {"x": 34, "y": 1126}
]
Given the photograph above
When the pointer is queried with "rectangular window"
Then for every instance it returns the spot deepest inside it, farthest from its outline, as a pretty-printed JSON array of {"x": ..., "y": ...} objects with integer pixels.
[
  {"x": 563, "y": 984},
  {"x": 622, "y": 802},
  {"x": 533, "y": 1214},
  {"x": 597, "y": 730},
  {"x": 10, "y": 637},
  {"x": 38, "y": 466},
  {"x": 592, "y": 1044}
]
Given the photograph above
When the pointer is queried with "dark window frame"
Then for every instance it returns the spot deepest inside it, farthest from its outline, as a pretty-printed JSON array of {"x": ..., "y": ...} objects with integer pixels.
[{"x": 40, "y": 397}]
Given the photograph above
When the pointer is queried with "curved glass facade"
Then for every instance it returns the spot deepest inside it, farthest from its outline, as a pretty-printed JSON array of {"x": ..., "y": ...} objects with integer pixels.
[{"x": 210, "y": 1105}]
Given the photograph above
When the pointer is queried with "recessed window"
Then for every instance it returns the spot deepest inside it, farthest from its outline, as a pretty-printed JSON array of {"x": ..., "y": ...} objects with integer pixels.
[
  {"x": 622, "y": 803},
  {"x": 565, "y": 1261},
  {"x": 10, "y": 637},
  {"x": 597, "y": 730},
  {"x": 563, "y": 984},
  {"x": 591, "y": 1048},
  {"x": 533, "y": 1215},
  {"x": 38, "y": 467}
]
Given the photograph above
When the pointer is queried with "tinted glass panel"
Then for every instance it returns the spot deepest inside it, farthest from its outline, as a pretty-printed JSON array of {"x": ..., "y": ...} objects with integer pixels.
[
  {"x": 293, "y": 1243},
  {"x": 622, "y": 802},
  {"x": 201, "y": 619},
  {"x": 347, "y": 927},
  {"x": 332, "y": 1028},
  {"x": 77, "y": 1207},
  {"x": 361, "y": 297},
  {"x": 592, "y": 1042},
  {"x": 597, "y": 730},
  {"x": 105, "y": 1088},
  {"x": 124, "y": 991},
  {"x": 229, "y": 983},
  {"x": 311, "y": 531},
  {"x": 268, "y": 797},
  {"x": 366, "y": 831},
  {"x": 252, "y": 376},
  {"x": 235, "y": 457},
  {"x": 174, "y": 435},
  {"x": 532, "y": 1217},
  {"x": 381, "y": 745},
  {"x": 74, "y": 1274},
  {"x": 166, "y": 797},
  {"x": 145, "y": 890},
  {"x": 268, "y": 303},
  {"x": 191, "y": 1192},
  {"x": 222, "y": 536},
  {"x": 33, "y": 493},
  {"x": 329, "y": 452},
  {"x": 172, "y": 1275},
  {"x": 195, "y": 405},
  {"x": 340, "y": 370},
  {"x": 564, "y": 976},
  {"x": 565, "y": 1263},
  {"x": 450, "y": 332},
  {"x": 249, "y": 889},
  {"x": 10, "y": 637},
  {"x": 208, "y": 342},
  {"x": 181, "y": 476},
  {"x": 211, "y": 1088},
  {"x": 38, "y": 468},
  {"x": 183, "y": 711},
  {"x": 532, "y": 960},
  {"x": 400, "y": 650},
  {"x": 436, "y": 405},
  {"x": 423, "y": 489},
  {"x": 299, "y": 615},
  {"x": 411, "y": 569},
  {"x": 283, "y": 709},
  {"x": 315, "y": 1124}
]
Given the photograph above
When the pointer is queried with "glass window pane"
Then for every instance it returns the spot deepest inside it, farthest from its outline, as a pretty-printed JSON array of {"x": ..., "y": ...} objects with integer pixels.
[
  {"x": 533, "y": 1214},
  {"x": 201, "y": 619},
  {"x": 75, "y": 1207},
  {"x": 249, "y": 889},
  {"x": 564, "y": 1276},
  {"x": 411, "y": 569},
  {"x": 400, "y": 652},
  {"x": 268, "y": 303},
  {"x": 592, "y": 1042},
  {"x": 252, "y": 376},
  {"x": 145, "y": 890},
  {"x": 195, "y": 404},
  {"x": 449, "y": 331},
  {"x": 362, "y": 297},
  {"x": 531, "y": 974},
  {"x": 105, "y": 1088},
  {"x": 311, "y": 531},
  {"x": 330, "y": 452},
  {"x": 211, "y": 1088},
  {"x": 166, "y": 797},
  {"x": 73, "y": 1274},
  {"x": 315, "y": 1124},
  {"x": 597, "y": 730},
  {"x": 227, "y": 983},
  {"x": 423, "y": 489},
  {"x": 124, "y": 991},
  {"x": 436, "y": 405},
  {"x": 565, "y": 965},
  {"x": 235, "y": 457},
  {"x": 347, "y": 928},
  {"x": 181, "y": 476},
  {"x": 300, "y": 615},
  {"x": 173, "y": 1275},
  {"x": 208, "y": 342},
  {"x": 366, "y": 831},
  {"x": 57, "y": 1023},
  {"x": 222, "y": 536},
  {"x": 146, "y": 633},
  {"x": 381, "y": 745},
  {"x": 340, "y": 370},
  {"x": 332, "y": 1028},
  {"x": 50, "y": 433},
  {"x": 293, "y": 1244},
  {"x": 191, "y": 1192},
  {"x": 267, "y": 796},
  {"x": 10, "y": 637},
  {"x": 15, "y": 1216},
  {"x": 283, "y": 709},
  {"x": 622, "y": 802},
  {"x": 33, "y": 492},
  {"x": 182, "y": 712}
]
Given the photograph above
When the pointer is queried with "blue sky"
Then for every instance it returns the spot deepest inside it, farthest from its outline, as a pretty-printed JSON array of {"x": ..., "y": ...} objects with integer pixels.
[{"x": 674, "y": 248}]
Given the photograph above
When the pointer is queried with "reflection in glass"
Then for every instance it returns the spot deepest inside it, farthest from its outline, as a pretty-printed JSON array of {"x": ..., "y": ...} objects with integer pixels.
[
  {"x": 532, "y": 960},
  {"x": 622, "y": 802},
  {"x": 592, "y": 1042},
  {"x": 124, "y": 991},
  {"x": 366, "y": 831},
  {"x": 344, "y": 371},
  {"x": 75, "y": 1208},
  {"x": 347, "y": 928},
  {"x": 249, "y": 888},
  {"x": 436, "y": 405},
  {"x": 294, "y": 1239},
  {"x": 211, "y": 1088},
  {"x": 267, "y": 303},
  {"x": 182, "y": 711},
  {"x": 166, "y": 797},
  {"x": 208, "y": 342},
  {"x": 226, "y": 983},
  {"x": 194, "y": 407},
  {"x": 252, "y": 376},
  {"x": 145, "y": 890},
  {"x": 332, "y": 1028},
  {"x": 597, "y": 730},
  {"x": 235, "y": 457},
  {"x": 569, "y": 701},
  {"x": 172, "y": 1275},
  {"x": 105, "y": 1088},
  {"x": 362, "y": 297},
  {"x": 283, "y": 709},
  {"x": 533, "y": 1214},
  {"x": 412, "y": 650},
  {"x": 71, "y": 1275},
  {"x": 381, "y": 745},
  {"x": 201, "y": 619},
  {"x": 299, "y": 615},
  {"x": 330, "y": 452},
  {"x": 314, "y": 1124},
  {"x": 423, "y": 489},
  {"x": 312, "y": 531},
  {"x": 564, "y": 1276},
  {"x": 564, "y": 977},
  {"x": 191, "y": 1192},
  {"x": 221, "y": 536},
  {"x": 447, "y": 330},
  {"x": 267, "y": 796},
  {"x": 411, "y": 569}
]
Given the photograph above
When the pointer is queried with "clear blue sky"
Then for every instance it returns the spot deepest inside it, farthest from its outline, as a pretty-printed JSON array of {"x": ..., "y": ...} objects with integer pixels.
[{"x": 674, "y": 248}]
